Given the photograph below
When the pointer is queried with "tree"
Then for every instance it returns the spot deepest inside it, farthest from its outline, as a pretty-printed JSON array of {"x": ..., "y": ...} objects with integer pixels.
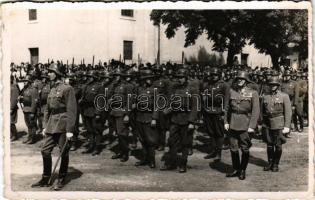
[
  {"x": 226, "y": 28},
  {"x": 274, "y": 31}
]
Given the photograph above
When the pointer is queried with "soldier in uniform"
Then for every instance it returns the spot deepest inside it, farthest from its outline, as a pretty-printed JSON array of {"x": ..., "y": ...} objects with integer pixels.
[
  {"x": 38, "y": 84},
  {"x": 305, "y": 104},
  {"x": 43, "y": 99},
  {"x": 94, "y": 117},
  {"x": 29, "y": 97},
  {"x": 74, "y": 82},
  {"x": 13, "y": 108},
  {"x": 301, "y": 93},
  {"x": 120, "y": 109},
  {"x": 183, "y": 110},
  {"x": 106, "y": 79},
  {"x": 146, "y": 118},
  {"x": 215, "y": 94},
  {"x": 240, "y": 119},
  {"x": 129, "y": 77},
  {"x": 162, "y": 84},
  {"x": 59, "y": 122},
  {"x": 276, "y": 112},
  {"x": 289, "y": 87}
]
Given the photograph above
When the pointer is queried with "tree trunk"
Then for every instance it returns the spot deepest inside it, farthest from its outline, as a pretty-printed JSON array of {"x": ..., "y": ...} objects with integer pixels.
[
  {"x": 230, "y": 57},
  {"x": 275, "y": 61}
]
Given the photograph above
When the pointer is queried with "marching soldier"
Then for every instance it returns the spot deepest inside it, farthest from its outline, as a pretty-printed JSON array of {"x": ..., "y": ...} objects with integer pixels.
[
  {"x": 94, "y": 118},
  {"x": 183, "y": 116},
  {"x": 276, "y": 113},
  {"x": 146, "y": 118},
  {"x": 29, "y": 97},
  {"x": 215, "y": 95},
  {"x": 240, "y": 119},
  {"x": 59, "y": 122},
  {"x": 13, "y": 108}
]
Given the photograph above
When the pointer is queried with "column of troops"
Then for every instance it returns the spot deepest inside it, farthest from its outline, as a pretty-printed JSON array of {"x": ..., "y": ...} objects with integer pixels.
[{"x": 236, "y": 103}]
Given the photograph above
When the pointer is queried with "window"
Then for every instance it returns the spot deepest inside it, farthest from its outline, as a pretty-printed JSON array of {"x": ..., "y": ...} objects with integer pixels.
[
  {"x": 32, "y": 14},
  {"x": 127, "y": 13},
  {"x": 34, "y": 55},
  {"x": 127, "y": 50}
]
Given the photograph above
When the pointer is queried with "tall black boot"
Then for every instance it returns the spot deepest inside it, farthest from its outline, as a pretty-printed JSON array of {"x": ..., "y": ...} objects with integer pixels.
[
  {"x": 47, "y": 164},
  {"x": 13, "y": 132},
  {"x": 217, "y": 158},
  {"x": 236, "y": 164},
  {"x": 151, "y": 157},
  {"x": 294, "y": 120},
  {"x": 32, "y": 136},
  {"x": 64, "y": 166},
  {"x": 244, "y": 163},
  {"x": 124, "y": 148},
  {"x": 183, "y": 160},
  {"x": 277, "y": 157},
  {"x": 91, "y": 144},
  {"x": 270, "y": 153},
  {"x": 301, "y": 123}
]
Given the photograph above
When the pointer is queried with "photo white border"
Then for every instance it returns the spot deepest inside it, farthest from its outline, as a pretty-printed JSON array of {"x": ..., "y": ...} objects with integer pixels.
[{"x": 5, "y": 101}]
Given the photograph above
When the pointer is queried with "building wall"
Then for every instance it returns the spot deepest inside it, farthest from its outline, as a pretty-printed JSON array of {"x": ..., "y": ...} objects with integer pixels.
[{"x": 65, "y": 34}]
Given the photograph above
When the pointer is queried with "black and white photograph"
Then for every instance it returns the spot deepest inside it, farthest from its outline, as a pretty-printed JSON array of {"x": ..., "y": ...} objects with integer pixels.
[{"x": 163, "y": 99}]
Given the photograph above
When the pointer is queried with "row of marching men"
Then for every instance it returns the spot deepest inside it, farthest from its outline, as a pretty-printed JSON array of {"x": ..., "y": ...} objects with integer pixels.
[{"x": 241, "y": 102}]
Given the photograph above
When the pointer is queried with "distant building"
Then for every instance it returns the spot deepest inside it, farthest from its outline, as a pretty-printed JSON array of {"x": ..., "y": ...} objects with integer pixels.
[{"x": 39, "y": 35}]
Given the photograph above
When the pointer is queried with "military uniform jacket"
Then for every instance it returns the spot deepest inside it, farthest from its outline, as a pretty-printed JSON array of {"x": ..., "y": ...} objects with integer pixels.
[
  {"x": 61, "y": 111},
  {"x": 302, "y": 90},
  {"x": 162, "y": 86},
  {"x": 184, "y": 105},
  {"x": 146, "y": 110},
  {"x": 89, "y": 95},
  {"x": 291, "y": 89},
  {"x": 30, "y": 99},
  {"x": 243, "y": 109},
  {"x": 277, "y": 110},
  {"x": 14, "y": 96},
  {"x": 195, "y": 83},
  {"x": 38, "y": 85},
  {"x": 122, "y": 99},
  {"x": 43, "y": 96},
  {"x": 78, "y": 90},
  {"x": 215, "y": 97}
]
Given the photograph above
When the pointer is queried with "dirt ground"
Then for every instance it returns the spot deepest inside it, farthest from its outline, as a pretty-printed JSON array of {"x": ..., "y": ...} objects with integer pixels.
[{"x": 101, "y": 173}]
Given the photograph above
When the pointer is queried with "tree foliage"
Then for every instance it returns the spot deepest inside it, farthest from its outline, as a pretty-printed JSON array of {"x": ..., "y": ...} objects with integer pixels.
[{"x": 270, "y": 31}]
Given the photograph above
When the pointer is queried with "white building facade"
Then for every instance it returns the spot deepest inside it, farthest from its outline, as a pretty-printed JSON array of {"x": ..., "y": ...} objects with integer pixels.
[{"x": 39, "y": 35}]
